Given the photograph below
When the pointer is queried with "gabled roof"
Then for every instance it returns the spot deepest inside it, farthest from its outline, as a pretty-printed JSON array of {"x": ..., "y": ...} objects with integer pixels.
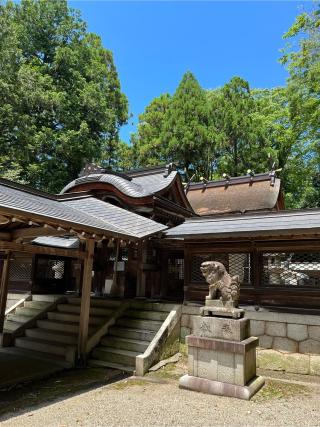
[
  {"x": 240, "y": 194},
  {"x": 136, "y": 183},
  {"x": 250, "y": 225},
  {"x": 122, "y": 219},
  {"x": 85, "y": 212}
]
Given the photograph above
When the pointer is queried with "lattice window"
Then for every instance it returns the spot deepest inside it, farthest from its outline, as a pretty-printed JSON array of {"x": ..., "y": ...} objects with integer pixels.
[
  {"x": 297, "y": 269},
  {"x": 176, "y": 268},
  {"x": 50, "y": 268},
  {"x": 20, "y": 270},
  {"x": 235, "y": 263}
]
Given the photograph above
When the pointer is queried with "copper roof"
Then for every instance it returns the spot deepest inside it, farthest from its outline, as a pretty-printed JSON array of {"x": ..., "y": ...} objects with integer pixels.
[
  {"x": 261, "y": 224},
  {"x": 242, "y": 194}
]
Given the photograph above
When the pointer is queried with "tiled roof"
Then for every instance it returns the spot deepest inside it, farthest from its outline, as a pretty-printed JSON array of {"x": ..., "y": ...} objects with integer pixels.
[
  {"x": 129, "y": 222},
  {"x": 88, "y": 213},
  {"x": 275, "y": 223},
  {"x": 135, "y": 185}
]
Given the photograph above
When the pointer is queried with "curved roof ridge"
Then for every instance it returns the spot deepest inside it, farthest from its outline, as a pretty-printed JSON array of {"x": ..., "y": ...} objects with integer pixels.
[{"x": 140, "y": 186}]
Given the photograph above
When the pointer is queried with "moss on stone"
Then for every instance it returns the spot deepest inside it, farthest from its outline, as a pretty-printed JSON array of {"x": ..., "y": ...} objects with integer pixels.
[
  {"x": 278, "y": 390},
  {"x": 129, "y": 383}
]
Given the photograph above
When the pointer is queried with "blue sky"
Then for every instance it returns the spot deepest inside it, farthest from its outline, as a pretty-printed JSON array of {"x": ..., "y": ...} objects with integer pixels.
[{"x": 154, "y": 43}]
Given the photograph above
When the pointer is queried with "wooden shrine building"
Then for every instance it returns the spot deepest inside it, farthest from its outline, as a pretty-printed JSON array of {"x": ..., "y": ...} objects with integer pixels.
[{"x": 143, "y": 235}]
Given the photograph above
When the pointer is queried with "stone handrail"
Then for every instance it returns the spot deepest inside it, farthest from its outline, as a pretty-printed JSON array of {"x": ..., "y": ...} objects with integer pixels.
[
  {"x": 8, "y": 336},
  {"x": 164, "y": 344},
  {"x": 18, "y": 304}
]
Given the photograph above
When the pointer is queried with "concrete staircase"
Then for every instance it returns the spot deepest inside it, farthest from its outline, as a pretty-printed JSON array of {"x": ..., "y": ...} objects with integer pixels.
[
  {"x": 56, "y": 334},
  {"x": 129, "y": 337}
]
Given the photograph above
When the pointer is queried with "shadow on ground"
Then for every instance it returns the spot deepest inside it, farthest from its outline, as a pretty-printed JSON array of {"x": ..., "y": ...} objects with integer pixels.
[{"x": 60, "y": 386}]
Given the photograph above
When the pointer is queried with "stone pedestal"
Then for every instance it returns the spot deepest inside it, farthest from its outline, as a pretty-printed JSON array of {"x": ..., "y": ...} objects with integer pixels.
[
  {"x": 222, "y": 358},
  {"x": 215, "y": 307}
]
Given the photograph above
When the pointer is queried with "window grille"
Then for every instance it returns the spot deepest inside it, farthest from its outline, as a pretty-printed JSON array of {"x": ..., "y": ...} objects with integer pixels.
[
  {"x": 20, "y": 271},
  {"x": 50, "y": 268},
  {"x": 293, "y": 269},
  {"x": 235, "y": 263},
  {"x": 176, "y": 268}
]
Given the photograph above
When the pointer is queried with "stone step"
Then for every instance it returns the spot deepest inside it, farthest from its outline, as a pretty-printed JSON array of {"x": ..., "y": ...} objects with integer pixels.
[
  {"x": 55, "y": 325},
  {"x": 149, "y": 325},
  {"x": 40, "y": 345},
  {"x": 94, "y": 363},
  {"x": 125, "y": 343},
  {"x": 17, "y": 295},
  {"x": 18, "y": 318},
  {"x": 10, "y": 325},
  {"x": 96, "y": 302},
  {"x": 115, "y": 355},
  {"x": 146, "y": 315},
  {"x": 130, "y": 333},
  {"x": 153, "y": 306},
  {"x": 70, "y": 317},
  {"x": 47, "y": 298},
  {"x": 49, "y": 335},
  {"x": 27, "y": 311},
  {"x": 41, "y": 305},
  {"x": 73, "y": 308}
]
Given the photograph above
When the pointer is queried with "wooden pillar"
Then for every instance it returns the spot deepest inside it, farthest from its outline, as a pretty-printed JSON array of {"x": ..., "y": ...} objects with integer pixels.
[
  {"x": 85, "y": 301},
  {"x": 141, "y": 275},
  {"x": 114, "y": 288},
  {"x": 4, "y": 289}
]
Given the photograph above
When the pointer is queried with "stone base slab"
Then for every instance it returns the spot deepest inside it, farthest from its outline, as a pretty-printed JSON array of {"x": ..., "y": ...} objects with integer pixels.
[{"x": 218, "y": 388}]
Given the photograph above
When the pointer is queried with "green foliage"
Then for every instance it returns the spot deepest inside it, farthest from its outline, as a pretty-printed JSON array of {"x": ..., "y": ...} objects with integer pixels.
[
  {"x": 303, "y": 61},
  {"x": 60, "y": 98},
  {"x": 174, "y": 128},
  {"x": 240, "y": 142},
  {"x": 185, "y": 132},
  {"x": 148, "y": 148}
]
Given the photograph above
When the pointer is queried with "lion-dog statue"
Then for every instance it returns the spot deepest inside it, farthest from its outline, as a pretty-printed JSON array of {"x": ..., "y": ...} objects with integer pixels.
[{"x": 221, "y": 284}]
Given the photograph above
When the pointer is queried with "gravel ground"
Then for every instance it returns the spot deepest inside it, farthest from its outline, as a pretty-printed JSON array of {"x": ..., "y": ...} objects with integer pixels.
[{"x": 137, "y": 402}]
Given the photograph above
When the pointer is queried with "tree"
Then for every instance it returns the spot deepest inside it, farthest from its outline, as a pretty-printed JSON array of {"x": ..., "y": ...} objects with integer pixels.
[
  {"x": 60, "y": 98},
  {"x": 148, "y": 147},
  {"x": 239, "y": 144},
  {"x": 303, "y": 62},
  {"x": 185, "y": 132}
]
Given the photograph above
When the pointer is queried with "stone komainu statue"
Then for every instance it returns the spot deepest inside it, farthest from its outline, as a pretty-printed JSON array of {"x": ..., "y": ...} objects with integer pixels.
[{"x": 221, "y": 284}]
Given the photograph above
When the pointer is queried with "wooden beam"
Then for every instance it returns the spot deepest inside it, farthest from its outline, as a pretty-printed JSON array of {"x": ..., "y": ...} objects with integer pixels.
[
  {"x": 85, "y": 301},
  {"x": 4, "y": 220},
  {"x": 36, "y": 232},
  {"x": 5, "y": 236},
  {"x": 4, "y": 289},
  {"x": 41, "y": 250}
]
